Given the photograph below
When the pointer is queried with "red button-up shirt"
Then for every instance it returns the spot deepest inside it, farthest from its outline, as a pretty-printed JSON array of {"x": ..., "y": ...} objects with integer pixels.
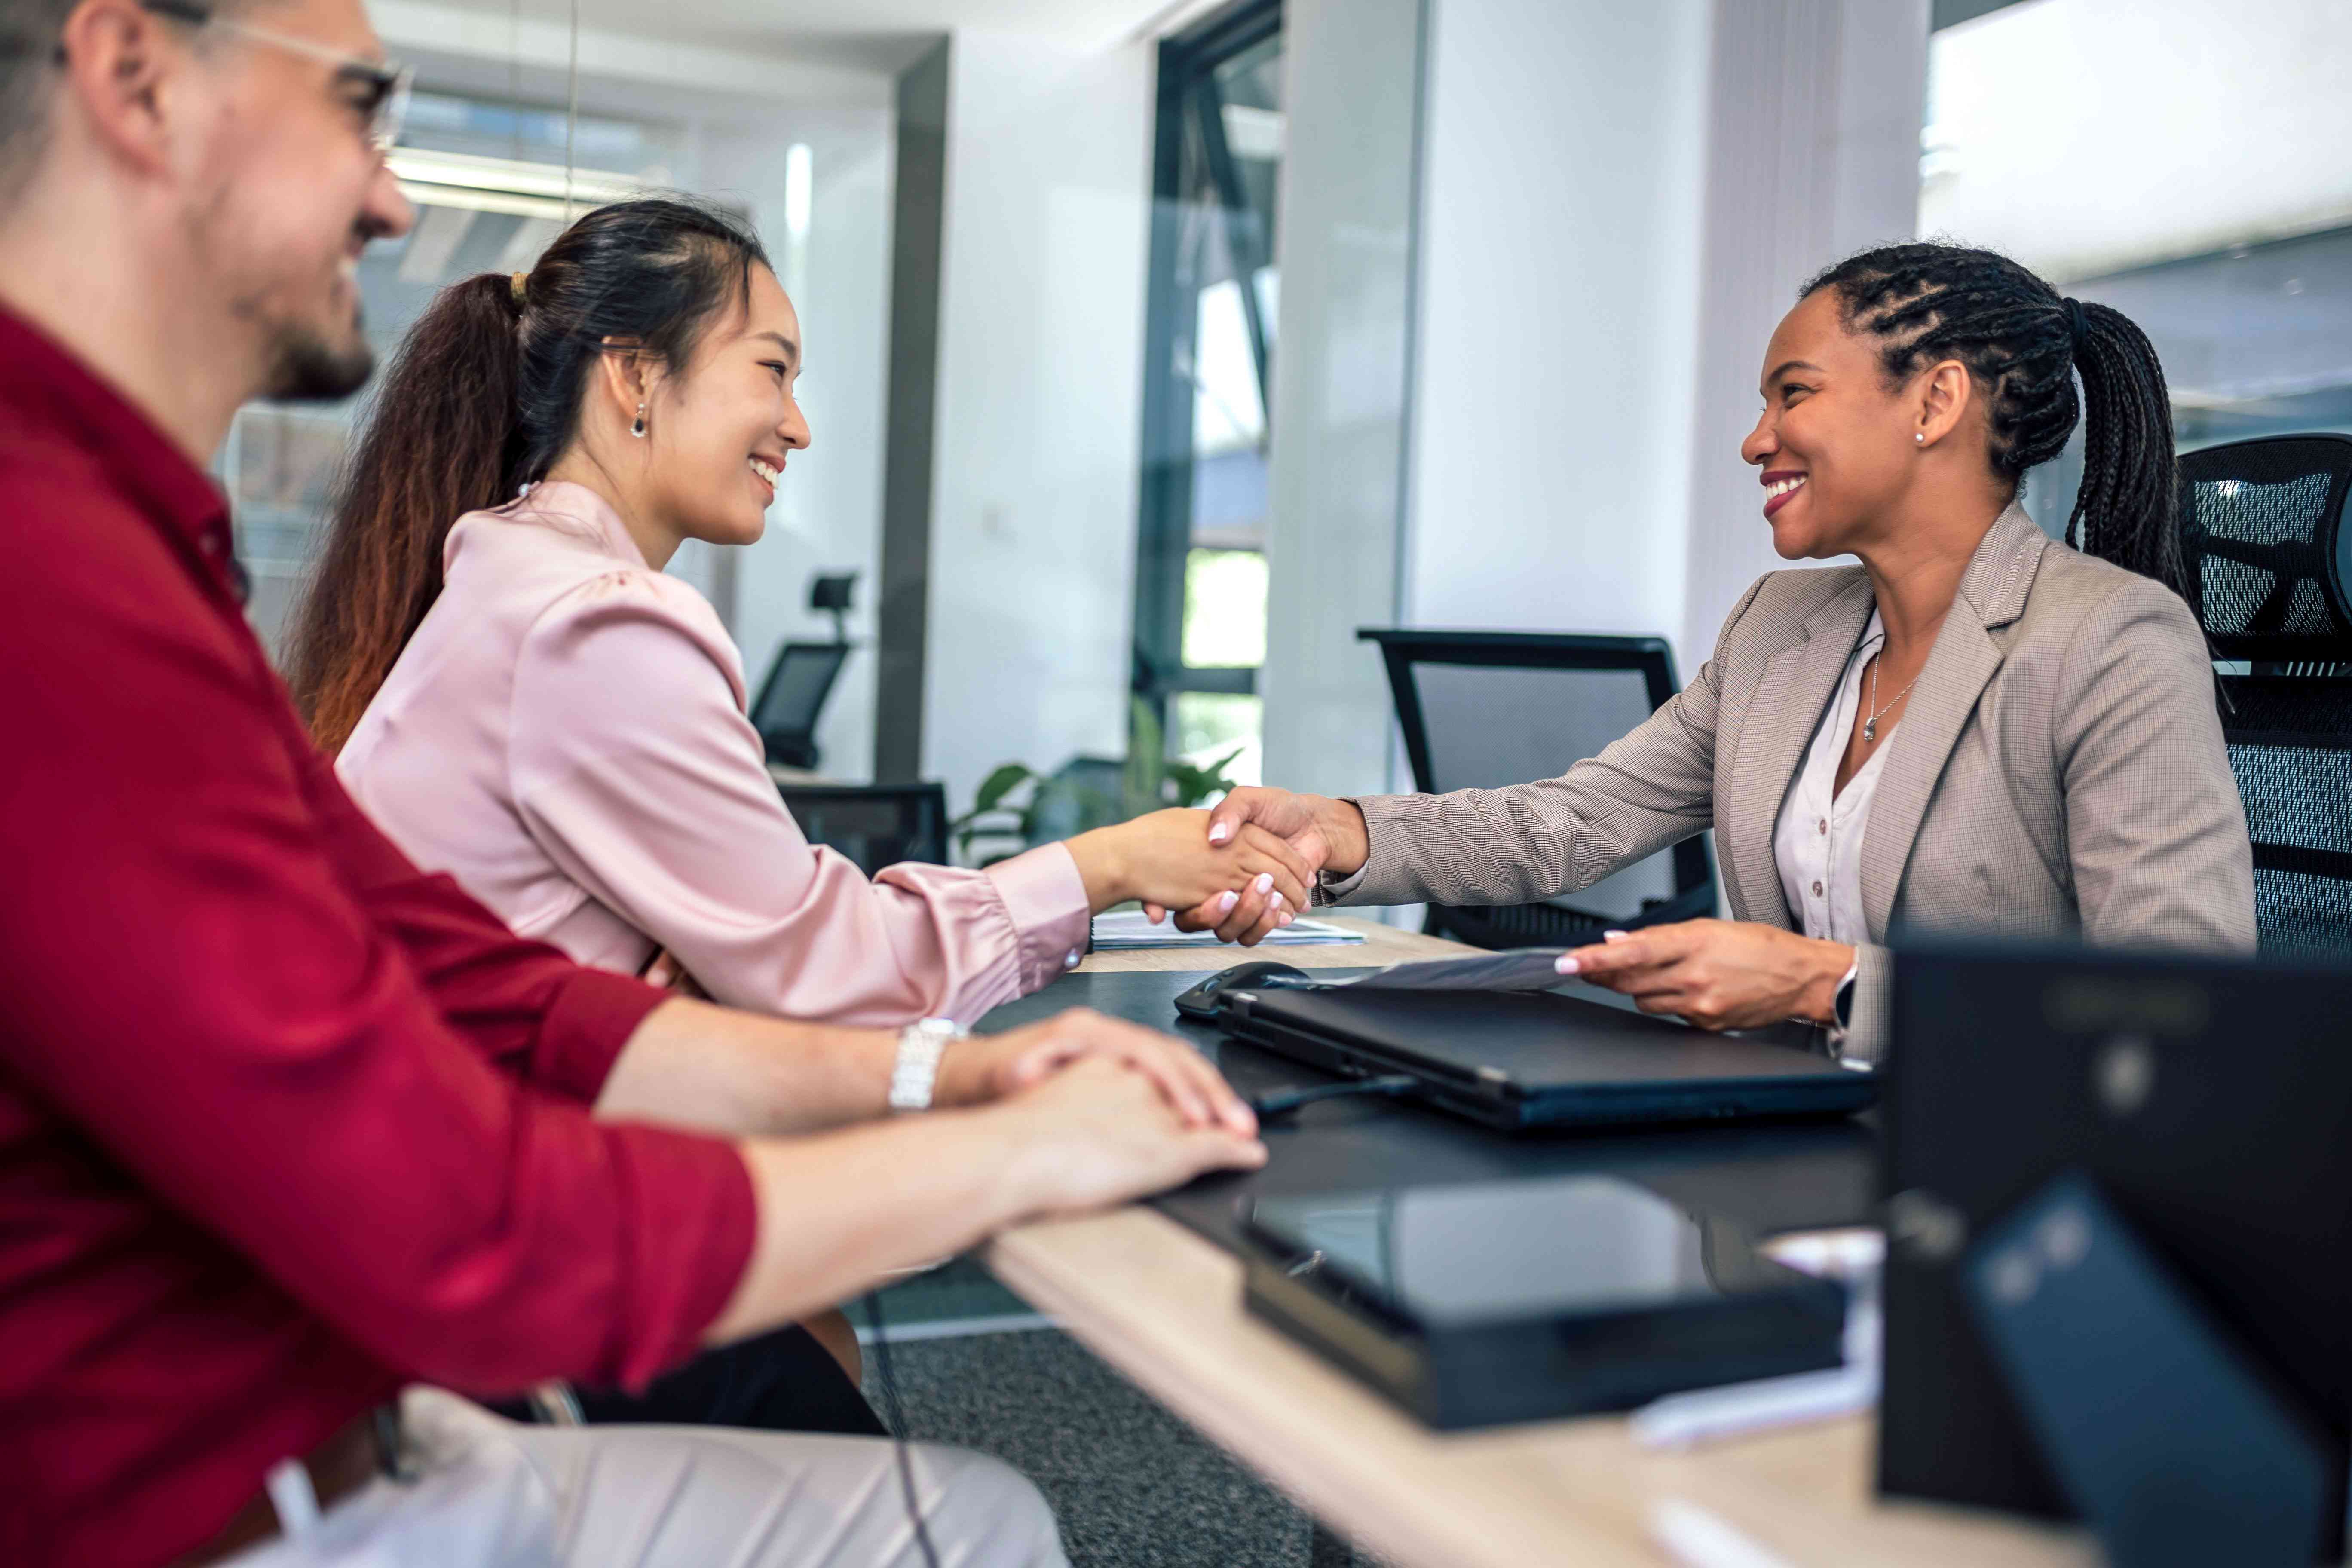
[{"x": 284, "y": 1122}]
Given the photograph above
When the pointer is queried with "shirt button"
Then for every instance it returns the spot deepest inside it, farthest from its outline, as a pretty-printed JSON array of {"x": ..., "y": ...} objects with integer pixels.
[
  {"x": 1817, "y": 889},
  {"x": 1071, "y": 960},
  {"x": 212, "y": 544},
  {"x": 1825, "y": 824}
]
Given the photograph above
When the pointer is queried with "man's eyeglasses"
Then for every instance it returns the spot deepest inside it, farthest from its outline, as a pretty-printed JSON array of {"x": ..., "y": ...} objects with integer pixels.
[{"x": 379, "y": 90}]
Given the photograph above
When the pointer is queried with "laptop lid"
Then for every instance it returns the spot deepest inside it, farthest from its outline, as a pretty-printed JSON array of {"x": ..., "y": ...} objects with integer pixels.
[{"x": 1533, "y": 1044}]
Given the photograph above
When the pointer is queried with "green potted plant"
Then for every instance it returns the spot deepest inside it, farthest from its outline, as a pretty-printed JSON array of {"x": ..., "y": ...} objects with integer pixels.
[{"x": 1016, "y": 802}]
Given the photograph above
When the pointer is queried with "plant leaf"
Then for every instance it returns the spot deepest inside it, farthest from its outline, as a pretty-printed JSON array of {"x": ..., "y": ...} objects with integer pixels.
[{"x": 998, "y": 784}]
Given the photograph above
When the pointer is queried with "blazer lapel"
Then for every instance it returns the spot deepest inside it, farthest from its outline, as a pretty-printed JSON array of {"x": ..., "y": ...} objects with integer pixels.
[
  {"x": 1793, "y": 695},
  {"x": 1992, "y": 593}
]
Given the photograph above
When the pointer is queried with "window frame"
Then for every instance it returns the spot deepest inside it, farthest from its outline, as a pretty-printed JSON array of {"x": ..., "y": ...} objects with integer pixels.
[{"x": 1187, "y": 98}]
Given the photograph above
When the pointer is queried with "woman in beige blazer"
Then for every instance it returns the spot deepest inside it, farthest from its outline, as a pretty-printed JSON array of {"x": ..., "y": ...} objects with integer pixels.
[{"x": 1978, "y": 729}]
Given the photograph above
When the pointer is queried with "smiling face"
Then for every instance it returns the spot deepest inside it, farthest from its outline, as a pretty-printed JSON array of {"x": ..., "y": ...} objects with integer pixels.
[
  {"x": 289, "y": 189},
  {"x": 1834, "y": 447},
  {"x": 719, "y": 432}
]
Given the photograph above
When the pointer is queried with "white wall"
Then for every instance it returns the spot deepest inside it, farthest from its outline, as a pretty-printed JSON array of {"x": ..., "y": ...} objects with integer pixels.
[
  {"x": 2088, "y": 136},
  {"x": 828, "y": 512},
  {"x": 1561, "y": 218},
  {"x": 1036, "y": 451},
  {"x": 1812, "y": 154},
  {"x": 1351, "y": 86}
]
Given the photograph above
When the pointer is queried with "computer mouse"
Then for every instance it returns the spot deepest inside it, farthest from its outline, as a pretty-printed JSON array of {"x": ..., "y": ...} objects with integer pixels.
[{"x": 1201, "y": 1002}]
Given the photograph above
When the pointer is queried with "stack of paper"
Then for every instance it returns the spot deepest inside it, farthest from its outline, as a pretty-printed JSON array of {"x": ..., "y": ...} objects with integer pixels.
[{"x": 1127, "y": 928}]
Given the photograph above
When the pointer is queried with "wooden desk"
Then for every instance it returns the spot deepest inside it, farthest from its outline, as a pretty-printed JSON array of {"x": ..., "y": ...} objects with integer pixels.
[{"x": 1164, "y": 1307}]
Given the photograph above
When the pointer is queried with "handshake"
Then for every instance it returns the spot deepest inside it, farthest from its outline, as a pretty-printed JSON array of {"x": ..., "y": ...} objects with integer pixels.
[{"x": 1244, "y": 870}]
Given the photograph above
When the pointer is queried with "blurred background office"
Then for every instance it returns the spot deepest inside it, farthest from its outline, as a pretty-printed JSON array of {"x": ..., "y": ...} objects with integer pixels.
[{"x": 1154, "y": 348}]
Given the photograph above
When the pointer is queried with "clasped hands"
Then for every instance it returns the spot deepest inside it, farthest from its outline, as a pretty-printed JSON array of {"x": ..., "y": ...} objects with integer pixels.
[{"x": 1715, "y": 974}]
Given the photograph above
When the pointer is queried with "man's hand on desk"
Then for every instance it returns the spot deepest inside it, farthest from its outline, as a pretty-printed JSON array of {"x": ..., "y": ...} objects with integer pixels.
[
  {"x": 1328, "y": 834},
  {"x": 1095, "y": 1134},
  {"x": 1718, "y": 974},
  {"x": 993, "y": 1067}
]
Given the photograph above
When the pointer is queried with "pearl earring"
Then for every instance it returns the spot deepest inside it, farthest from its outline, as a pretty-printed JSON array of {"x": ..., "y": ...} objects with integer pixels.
[
  {"x": 638, "y": 429},
  {"x": 1920, "y": 436}
]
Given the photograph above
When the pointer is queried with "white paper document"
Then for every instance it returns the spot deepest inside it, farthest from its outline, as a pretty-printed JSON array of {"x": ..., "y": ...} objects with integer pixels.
[{"x": 1127, "y": 929}]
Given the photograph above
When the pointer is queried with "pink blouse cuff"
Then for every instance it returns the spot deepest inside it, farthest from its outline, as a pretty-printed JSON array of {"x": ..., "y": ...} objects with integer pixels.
[{"x": 1048, "y": 901}]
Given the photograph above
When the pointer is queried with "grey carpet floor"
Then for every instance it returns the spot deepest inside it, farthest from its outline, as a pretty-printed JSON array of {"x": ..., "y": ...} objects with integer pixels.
[{"x": 1134, "y": 1487}]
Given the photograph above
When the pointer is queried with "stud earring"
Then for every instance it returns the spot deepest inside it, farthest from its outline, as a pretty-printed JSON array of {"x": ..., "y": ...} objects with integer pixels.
[
  {"x": 638, "y": 429},
  {"x": 1918, "y": 436}
]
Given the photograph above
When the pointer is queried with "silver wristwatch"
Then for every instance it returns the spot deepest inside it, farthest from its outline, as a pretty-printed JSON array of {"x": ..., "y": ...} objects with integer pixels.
[{"x": 920, "y": 1046}]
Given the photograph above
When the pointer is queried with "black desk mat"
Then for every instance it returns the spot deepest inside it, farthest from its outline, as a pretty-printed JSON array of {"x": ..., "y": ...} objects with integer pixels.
[{"x": 1766, "y": 1177}]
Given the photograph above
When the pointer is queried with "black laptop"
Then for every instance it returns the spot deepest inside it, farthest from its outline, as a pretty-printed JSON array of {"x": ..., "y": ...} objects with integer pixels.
[{"x": 1524, "y": 1059}]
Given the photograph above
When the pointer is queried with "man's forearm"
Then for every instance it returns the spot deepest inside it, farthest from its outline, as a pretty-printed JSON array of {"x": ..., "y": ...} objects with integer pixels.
[
  {"x": 840, "y": 1213},
  {"x": 718, "y": 1070}
]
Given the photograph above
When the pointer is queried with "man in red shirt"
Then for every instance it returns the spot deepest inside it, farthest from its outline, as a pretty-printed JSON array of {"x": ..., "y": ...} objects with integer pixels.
[{"x": 285, "y": 1123}]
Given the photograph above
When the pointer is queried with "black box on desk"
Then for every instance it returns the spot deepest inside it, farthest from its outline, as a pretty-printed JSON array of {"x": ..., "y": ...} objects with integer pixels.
[
  {"x": 1477, "y": 1304},
  {"x": 2212, "y": 1103}
]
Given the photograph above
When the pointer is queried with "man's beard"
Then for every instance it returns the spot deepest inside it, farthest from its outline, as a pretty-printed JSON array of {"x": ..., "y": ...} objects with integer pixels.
[{"x": 304, "y": 367}]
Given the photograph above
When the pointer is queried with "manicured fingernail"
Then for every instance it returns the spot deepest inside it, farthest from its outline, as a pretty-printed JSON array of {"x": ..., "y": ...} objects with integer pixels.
[
  {"x": 1567, "y": 965},
  {"x": 1613, "y": 936},
  {"x": 1287, "y": 917},
  {"x": 1265, "y": 881},
  {"x": 1275, "y": 902},
  {"x": 1219, "y": 832},
  {"x": 1225, "y": 903}
]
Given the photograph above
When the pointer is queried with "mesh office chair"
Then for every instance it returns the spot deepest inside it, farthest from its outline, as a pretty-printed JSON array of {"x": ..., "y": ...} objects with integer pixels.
[
  {"x": 874, "y": 824},
  {"x": 1482, "y": 709},
  {"x": 2268, "y": 555}
]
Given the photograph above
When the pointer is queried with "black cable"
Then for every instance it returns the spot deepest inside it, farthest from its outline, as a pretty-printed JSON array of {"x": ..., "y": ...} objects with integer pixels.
[
  {"x": 1285, "y": 1103},
  {"x": 898, "y": 1427}
]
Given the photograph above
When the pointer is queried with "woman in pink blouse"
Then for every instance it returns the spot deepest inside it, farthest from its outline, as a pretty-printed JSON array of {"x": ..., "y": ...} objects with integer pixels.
[{"x": 519, "y": 695}]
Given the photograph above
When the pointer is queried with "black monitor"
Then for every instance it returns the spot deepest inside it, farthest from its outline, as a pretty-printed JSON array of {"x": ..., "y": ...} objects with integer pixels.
[
  {"x": 2208, "y": 1100},
  {"x": 791, "y": 698}
]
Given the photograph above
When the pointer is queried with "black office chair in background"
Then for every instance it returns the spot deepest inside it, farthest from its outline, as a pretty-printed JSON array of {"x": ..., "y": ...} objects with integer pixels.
[
  {"x": 2267, "y": 553},
  {"x": 873, "y": 824},
  {"x": 1482, "y": 709},
  {"x": 801, "y": 676}
]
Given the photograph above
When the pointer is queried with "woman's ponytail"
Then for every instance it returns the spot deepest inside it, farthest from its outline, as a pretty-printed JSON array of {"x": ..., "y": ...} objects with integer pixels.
[
  {"x": 2128, "y": 507},
  {"x": 2024, "y": 344},
  {"x": 437, "y": 444},
  {"x": 483, "y": 398}
]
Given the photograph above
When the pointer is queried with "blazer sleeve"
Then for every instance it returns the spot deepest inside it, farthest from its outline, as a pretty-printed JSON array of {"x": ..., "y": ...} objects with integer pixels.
[
  {"x": 2155, "y": 833},
  {"x": 1516, "y": 845},
  {"x": 634, "y": 767}
]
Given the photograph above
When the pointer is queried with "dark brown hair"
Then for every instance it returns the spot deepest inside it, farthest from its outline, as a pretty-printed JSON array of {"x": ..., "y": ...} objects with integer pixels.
[{"x": 482, "y": 398}]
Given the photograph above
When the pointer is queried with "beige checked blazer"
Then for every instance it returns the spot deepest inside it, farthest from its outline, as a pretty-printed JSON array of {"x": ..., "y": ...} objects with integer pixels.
[{"x": 2059, "y": 771}]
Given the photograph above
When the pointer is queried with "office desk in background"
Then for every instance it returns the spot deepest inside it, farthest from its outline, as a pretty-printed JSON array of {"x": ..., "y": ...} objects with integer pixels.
[{"x": 1161, "y": 1302}]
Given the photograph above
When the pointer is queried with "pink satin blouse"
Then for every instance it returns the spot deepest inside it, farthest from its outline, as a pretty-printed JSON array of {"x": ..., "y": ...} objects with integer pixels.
[{"x": 565, "y": 734}]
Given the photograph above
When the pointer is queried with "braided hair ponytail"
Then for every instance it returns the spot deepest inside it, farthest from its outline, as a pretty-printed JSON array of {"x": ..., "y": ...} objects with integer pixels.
[{"x": 2023, "y": 344}]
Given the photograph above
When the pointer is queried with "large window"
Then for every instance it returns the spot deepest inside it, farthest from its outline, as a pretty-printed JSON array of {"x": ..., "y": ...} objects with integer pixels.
[
  {"x": 1200, "y": 601},
  {"x": 2190, "y": 165}
]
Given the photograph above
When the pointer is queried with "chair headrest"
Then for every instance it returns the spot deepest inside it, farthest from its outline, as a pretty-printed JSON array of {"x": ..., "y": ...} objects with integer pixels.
[{"x": 2266, "y": 547}]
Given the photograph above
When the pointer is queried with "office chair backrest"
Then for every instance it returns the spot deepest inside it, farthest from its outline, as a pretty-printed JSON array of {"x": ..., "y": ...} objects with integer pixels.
[
  {"x": 874, "y": 824},
  {"x": 1484, "y": 709},
  {"x": 791, "y": 698},
  {"x": 2267, "y": 551}
]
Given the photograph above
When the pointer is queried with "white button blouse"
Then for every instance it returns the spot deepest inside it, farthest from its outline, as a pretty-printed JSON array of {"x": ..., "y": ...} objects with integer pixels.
[{"x": 1817, "y": 843}]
